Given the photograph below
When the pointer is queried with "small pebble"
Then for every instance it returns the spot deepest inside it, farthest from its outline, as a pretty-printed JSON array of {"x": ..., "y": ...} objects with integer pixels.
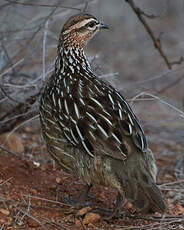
[
  {"x": 91, "y": 218},
  {"x": 58, "y": 180},
  {"x": 5, "y": 211},
  {"x": 83, "y": 211}
]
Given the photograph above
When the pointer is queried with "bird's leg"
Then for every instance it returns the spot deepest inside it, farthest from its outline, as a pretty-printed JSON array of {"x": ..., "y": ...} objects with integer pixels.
[
  {"x": 109, "y": 214},
  {"x": 84, "y": 195},
  {"x": 120, "y": 202},
  {"x": 81, "y": 200}
]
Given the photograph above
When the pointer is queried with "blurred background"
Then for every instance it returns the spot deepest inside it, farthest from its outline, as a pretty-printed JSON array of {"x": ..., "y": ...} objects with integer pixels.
[{"x": 125, "y": 56}]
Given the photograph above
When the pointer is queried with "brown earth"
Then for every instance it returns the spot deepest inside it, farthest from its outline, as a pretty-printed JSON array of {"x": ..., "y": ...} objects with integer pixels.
[{"x": 33, "y": 193}]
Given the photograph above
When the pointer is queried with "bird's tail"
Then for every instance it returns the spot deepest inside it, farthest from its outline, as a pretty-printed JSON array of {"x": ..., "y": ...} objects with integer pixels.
[{"x": 138, "y": 185}]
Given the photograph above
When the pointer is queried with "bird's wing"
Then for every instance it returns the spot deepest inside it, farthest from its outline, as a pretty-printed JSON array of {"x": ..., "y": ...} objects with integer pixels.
[{"x": 95, "y": 118}]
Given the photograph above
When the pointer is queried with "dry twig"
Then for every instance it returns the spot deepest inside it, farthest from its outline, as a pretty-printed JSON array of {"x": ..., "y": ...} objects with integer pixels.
[{"x": 156, "y": 41}]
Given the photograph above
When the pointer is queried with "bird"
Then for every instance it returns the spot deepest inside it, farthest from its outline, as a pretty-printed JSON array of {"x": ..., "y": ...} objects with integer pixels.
[{"x": 89, "y": 127}]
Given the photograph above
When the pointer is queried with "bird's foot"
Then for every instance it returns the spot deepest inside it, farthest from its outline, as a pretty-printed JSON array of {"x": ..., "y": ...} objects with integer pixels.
[
  {"x": 81, "y": 200},
  {"x": 108, "y": 214},
  {"x": 116, "y": 212},
  {"x": 75, "y": 203}
]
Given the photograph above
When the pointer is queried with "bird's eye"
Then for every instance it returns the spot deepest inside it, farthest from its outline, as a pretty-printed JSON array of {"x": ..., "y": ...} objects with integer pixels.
[{"x": 91, "y": 24}]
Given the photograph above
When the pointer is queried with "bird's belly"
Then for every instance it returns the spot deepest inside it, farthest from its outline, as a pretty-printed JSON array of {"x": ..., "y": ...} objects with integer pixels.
[{"x": 95, "y": 170}]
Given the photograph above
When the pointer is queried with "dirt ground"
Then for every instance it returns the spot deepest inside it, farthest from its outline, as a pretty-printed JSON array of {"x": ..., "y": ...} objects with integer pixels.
[{"x": 34, "y": 192}]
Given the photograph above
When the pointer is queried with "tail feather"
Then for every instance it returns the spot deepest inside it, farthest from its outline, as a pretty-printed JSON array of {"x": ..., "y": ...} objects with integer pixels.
[
  {"x": 149, "y": 198},
  {"x": 138, "y": 184}
]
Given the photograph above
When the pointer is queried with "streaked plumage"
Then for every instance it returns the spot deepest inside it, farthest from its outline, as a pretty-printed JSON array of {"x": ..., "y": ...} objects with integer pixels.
[{"x": 89, "y": 127}]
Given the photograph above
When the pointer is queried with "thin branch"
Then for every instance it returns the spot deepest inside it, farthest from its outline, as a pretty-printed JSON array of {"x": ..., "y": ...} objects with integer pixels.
[
  {"x": 156, "y": 41},
  {"x": 20, "y": 109},
  {"x": 42, "y": 5},
  {"x": 85, "y": 6},
  {"x": 178, "y": 62},
  {"x": 2, "y": 227},
  {"x": 47, "y": 200},
  {"x": 23, "y": 123},
  {"x": 8, "y": 151},
  {"x": 10, "y": 69},
  {"x": 181, "y": 113},
  {"x": 4, "y": 182},
  {"x": 44, "y": 49},
  {"x": 8, "y": 96}
]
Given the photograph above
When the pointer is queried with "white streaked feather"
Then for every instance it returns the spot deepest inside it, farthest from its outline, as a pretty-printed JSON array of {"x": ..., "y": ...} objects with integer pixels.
[
  {"x": 53, "y": 99},
  {"x": 87, "y": 150},
  {"x": 130, "y": 129},
  {"x": 92, "y": 135},
  {"x": 76, "y": 110},
  {"x": 130, "y": 119},
  {"x": 97, "y": 102},
  {"x": 52, "y": 122},
  {"x": 74, "y": 136},
  {"x": 79, "y": 133},
  {"x": 74, "y": 121},
  {"x": 66, "y": 106},
  {"x": 106, "y": 119},
  {"x": 120, "y": 106},
  {"x": 102, "y": 130},
  {"x": 70, "y": 60},
  {"x": 116, "y": 138},
  {"x": 64, "y": 152},
  {"x": 69, "y": 139},
  {"x": 120, "y": 114},
  {"x": 142, "y": 143},
  {"x": 123, "y": 154},
  {"x": 62, "y": 125},
  {"x": 68, "y": 89},
  {"x": 89, "y": 115},
  {"x": 64, "y": 82},
  {"x": 110, "y": 97},
  {"x": 82, "y": 101},
  {"x": 59, "y": 103},
  {"x": 92, "y": 127},
  {"x": 49, "y": 136},
  {"x": 71, "y": 68}
]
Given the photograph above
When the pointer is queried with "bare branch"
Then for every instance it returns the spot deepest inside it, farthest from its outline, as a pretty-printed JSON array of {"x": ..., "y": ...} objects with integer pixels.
[
  {"x": 156, "y": 41},
  {"x": 42, "y": 5},
  {"x": 85, "y": 6},
  {"x": 44, "y": 49}
]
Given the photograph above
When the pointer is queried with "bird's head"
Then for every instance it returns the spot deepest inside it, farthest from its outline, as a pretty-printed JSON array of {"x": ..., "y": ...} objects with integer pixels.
[{"x": 79, "y": 29}]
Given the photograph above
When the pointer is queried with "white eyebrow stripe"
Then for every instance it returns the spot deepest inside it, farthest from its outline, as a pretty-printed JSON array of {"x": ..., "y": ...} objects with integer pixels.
[
  {"x": 80, "y": 24},
  {"x": 86, "y": 21}
]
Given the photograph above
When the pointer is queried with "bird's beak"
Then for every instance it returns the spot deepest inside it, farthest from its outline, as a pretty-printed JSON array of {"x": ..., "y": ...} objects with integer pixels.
[{"x": 103, "y": 26}]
